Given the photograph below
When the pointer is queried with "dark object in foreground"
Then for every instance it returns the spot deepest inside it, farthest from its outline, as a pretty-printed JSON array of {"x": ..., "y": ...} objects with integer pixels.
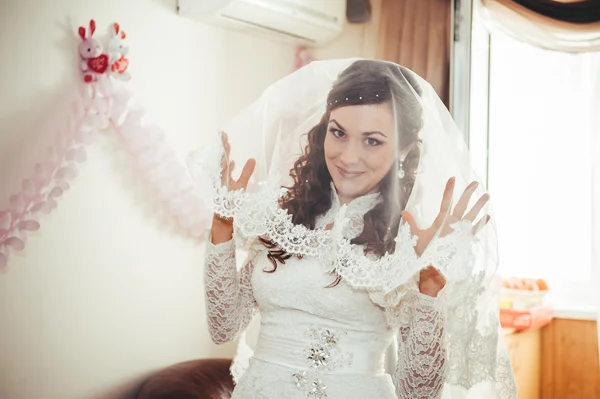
[{"x": 195, "y": 379}]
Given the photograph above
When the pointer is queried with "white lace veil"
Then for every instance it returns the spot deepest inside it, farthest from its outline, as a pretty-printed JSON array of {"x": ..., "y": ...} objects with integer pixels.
[{"x": 273, "y": 130}]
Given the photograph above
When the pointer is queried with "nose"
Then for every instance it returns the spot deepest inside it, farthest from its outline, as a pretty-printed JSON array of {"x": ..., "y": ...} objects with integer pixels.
[{"x": 349, "y": 155}]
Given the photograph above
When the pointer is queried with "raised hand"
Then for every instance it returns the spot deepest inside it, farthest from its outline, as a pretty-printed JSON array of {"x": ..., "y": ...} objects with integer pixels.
[{"x": 431, "y": 281}]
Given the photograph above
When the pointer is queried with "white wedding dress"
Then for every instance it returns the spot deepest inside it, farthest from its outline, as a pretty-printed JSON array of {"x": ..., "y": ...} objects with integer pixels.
[{"x": 320, "y": 342}]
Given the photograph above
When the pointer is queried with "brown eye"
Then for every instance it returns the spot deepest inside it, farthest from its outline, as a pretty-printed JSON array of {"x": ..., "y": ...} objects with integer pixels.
[
  {"x": 373, "y": 142},
  {"x": 337, "y": 133}
]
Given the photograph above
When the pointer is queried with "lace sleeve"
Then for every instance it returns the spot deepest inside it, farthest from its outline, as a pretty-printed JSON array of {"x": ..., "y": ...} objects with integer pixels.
[
  {"x": 420, "y": 371},
  {"x": 230, "y": 304}
]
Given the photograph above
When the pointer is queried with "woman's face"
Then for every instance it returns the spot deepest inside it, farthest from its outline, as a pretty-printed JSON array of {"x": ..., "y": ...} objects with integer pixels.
[{"x": 360, "y": 148}]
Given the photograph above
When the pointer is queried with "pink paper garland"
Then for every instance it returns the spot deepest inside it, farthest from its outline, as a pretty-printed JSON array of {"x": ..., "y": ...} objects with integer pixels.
[
  {"x": 157, "y": 160},
  {"x": 51, "y": 179},
  {"x": 102, "y": 103}
]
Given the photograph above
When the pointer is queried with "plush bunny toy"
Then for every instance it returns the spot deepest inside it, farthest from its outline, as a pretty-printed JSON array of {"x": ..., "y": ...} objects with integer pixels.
[
  {"x": 94, "y": 62},
  {"x": 117, "y": 51}
]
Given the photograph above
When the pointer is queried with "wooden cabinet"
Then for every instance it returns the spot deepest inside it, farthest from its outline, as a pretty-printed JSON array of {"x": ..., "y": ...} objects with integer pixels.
[
  {"x": 525, "y": 350},
  {"x": 559, "y": 361},
  {"x": 571, "y": 369}
]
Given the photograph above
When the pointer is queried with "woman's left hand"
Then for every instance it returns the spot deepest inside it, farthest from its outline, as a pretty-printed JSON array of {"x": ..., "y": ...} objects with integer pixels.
[{"x": 431, "y": 281}]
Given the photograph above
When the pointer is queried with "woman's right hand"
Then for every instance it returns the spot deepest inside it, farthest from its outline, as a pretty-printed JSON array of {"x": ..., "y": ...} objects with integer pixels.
[{"x": 222, "y": 229}]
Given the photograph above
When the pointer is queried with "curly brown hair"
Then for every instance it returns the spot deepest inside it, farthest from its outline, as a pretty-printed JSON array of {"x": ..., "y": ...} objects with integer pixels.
[{"x": 363, "y": 82}]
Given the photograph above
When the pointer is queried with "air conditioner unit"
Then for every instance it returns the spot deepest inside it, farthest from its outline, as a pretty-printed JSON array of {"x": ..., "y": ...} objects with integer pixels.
[{"x": 308, "y": 22}]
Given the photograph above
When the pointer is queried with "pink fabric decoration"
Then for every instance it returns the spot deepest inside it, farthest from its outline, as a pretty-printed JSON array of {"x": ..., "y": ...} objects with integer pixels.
[{"x": 103, "y": 101}]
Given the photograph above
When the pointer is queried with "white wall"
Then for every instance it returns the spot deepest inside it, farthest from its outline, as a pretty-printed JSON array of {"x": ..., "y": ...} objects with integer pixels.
[{"x": 109, "y": 289}]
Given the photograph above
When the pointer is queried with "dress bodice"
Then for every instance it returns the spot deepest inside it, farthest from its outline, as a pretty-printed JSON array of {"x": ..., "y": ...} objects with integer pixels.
[{"x": 304, "y": 319}]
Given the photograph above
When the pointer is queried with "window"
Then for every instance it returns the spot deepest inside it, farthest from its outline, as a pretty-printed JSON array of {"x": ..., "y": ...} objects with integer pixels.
[{"x": 539, "y": 160}]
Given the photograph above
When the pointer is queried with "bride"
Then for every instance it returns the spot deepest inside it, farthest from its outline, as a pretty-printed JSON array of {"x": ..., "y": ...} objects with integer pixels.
[{"x": 358, "y": 240}]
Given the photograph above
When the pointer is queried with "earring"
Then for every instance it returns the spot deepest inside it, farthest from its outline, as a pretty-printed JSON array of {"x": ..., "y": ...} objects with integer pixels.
[{"x": 401, "y": 167}]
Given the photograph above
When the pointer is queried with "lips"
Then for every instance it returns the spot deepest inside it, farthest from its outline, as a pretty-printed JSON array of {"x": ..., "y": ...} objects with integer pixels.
[{"x": 347, "y": 174}]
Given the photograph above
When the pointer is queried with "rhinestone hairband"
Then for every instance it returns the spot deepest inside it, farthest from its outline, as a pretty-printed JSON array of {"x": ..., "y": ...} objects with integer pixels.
[{"x": 347, "y": 98}]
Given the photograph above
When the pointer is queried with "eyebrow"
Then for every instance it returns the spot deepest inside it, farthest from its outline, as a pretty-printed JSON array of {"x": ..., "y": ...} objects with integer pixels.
[{"x": 364, "y": 133}]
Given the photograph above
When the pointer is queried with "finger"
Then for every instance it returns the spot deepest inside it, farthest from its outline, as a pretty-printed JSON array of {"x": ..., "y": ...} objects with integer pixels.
[
  {"x": 224, "y": 169},
  {"x": 410, "y": 219},
  {"x": 226, "y": 145},
  {"x": 463, "y": 202},
  {"x": 246, "y": 173},
  {"x": 447, "y": 198},
  {"x": 226, "y": 148},
  {"x": 446, "y": 202},
  {"x": 481, "y": 224},
  {"x": 226, "y": 173},
  {"x": 223, "y": 164},
  {"x": 477, "y": 207}
]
